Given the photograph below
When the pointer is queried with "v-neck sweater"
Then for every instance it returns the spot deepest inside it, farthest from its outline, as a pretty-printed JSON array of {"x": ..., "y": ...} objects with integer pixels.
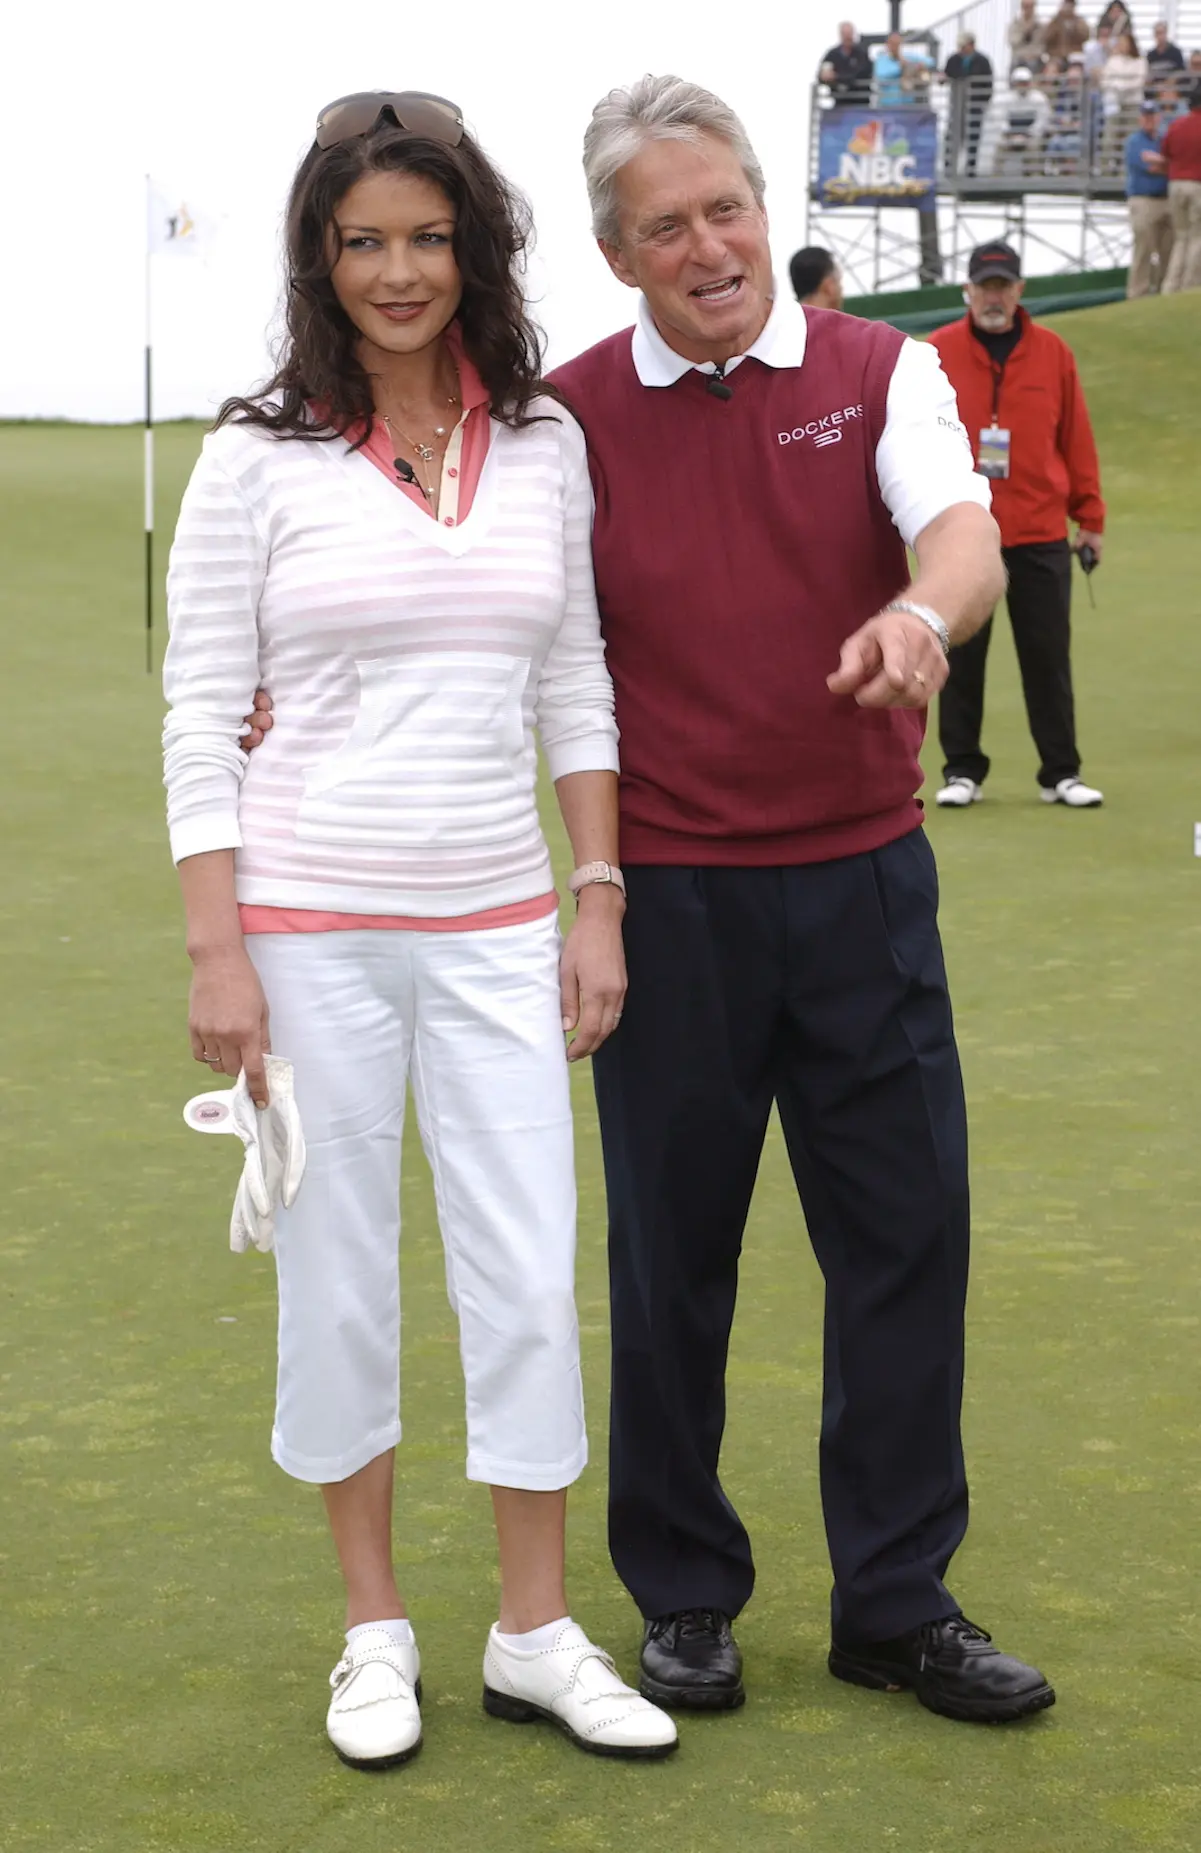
[{"x": 409, "y": 666}]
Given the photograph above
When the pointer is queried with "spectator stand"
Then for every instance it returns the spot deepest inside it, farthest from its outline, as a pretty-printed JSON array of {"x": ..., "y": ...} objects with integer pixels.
[{"x": 1038, "y": 163}]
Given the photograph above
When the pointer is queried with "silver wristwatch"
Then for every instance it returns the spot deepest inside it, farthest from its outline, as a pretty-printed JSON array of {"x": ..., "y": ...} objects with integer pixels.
[{"x": 929, "y": 618}]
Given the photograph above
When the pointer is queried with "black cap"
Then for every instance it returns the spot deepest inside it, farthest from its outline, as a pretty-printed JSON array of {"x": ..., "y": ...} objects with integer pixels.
[{"x": 994, "y": 260}]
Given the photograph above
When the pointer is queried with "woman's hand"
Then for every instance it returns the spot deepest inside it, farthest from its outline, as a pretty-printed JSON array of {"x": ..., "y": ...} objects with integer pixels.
[
  {"x": 593, "y": 970},
  {"x": 227, "y": 1017},
  {"x": 258, "y": 722}
]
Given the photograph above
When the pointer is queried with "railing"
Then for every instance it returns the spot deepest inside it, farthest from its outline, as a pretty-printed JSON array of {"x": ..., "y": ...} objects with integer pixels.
[
  {"x": 1057, "y": 134},
  {"x": 989, "y": 21}
]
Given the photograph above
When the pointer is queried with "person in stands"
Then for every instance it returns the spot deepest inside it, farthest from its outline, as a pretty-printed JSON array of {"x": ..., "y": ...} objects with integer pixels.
[
  {"x": 970, "y": 76},
  {"x": 901, "y": 73},
  {"x": 847, "y": 67},
  {"x": 1027, "y": 39},
  {"x": 1015, "y": 128},
  {"x": 1164, "y": 59},
  {"x": 1020, "y": 397},
  {"x": 1066, "y": 32},
  {"x": 1148, "y": 205},
  {"x": 816, "y": 278}
]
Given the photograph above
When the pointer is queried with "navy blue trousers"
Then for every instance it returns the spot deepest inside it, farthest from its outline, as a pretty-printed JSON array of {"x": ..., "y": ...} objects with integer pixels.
[{"x": 821, "y": 988}]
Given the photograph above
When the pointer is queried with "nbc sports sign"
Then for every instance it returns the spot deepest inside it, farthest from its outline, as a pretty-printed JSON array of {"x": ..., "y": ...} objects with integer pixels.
[{"x": 882, "y": 157}]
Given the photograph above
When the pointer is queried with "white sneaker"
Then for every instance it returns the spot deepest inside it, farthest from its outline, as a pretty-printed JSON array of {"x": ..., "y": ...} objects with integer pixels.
[
  {"x": 1074, "y": 792},
  {"x": 960, "y": 791},
  {"x": 576, "y": 1686},
  {"x": 374, "y": 1718}
]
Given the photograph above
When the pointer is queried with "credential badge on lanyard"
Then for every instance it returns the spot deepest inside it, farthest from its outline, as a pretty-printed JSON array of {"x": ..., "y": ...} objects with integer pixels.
[{"x": 992, "y": 457}]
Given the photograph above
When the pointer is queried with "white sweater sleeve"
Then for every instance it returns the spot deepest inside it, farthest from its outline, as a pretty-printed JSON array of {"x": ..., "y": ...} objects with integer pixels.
[
  {"x": 211, "y": 671},
  {"x": 574, "y": 705}
]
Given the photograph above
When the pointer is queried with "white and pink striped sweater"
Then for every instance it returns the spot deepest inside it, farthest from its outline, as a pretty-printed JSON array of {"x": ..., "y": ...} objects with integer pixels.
[{"x": 408, "y": 663}]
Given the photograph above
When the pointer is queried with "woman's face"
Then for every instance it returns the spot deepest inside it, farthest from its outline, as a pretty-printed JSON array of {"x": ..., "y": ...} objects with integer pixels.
[{"x": 396, "y": 275}]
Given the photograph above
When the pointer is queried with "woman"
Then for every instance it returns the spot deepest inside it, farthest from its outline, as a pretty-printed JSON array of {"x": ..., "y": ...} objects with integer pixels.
[
  {"x": 394, "y": 535},
  {"x": 1123, "y": 81}
]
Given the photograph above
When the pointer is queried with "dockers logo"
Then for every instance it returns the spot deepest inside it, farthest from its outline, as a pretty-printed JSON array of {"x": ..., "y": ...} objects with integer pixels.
[{"x": 823, "y": 431}]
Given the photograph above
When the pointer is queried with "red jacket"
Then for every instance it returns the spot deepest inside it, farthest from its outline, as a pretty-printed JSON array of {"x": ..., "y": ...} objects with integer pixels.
[
  {"x": 1053, "y": 456},
  {"x": 1181, "y": 147}
]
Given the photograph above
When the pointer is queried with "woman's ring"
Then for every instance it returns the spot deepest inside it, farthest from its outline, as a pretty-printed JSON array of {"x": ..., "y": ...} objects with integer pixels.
[
  {"x": 214, "y": 1061},
  {"x": 919, "y": 677}
]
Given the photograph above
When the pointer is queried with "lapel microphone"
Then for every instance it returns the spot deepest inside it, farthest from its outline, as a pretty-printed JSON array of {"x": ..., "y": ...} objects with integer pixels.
[
  {"x": 408, "y": 474},
  {"x": 716, "y": 383}
]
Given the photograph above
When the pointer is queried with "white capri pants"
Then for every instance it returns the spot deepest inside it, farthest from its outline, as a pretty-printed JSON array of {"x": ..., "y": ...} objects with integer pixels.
[{"x": 475, "y": 1019}]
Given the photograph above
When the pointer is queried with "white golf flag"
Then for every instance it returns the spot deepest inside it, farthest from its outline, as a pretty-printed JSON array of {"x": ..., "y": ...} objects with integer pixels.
[{"x": 171, "y": 226}]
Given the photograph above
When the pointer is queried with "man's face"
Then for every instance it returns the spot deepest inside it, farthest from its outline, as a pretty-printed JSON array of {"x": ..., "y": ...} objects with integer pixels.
[
  {"x": 694, "y": 241},
  {"x": 993, "y": 303},
  {"x": 1161, "y": 35},
  {"x": 846, "y": 35},
  {"x": 892, "y": 44}
]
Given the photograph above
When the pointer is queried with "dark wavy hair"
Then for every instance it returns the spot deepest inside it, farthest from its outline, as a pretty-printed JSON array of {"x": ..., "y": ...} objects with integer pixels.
[{"x": 317, "y": 360}]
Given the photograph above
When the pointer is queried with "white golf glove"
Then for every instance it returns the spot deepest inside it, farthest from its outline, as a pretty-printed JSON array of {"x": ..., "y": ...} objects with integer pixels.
[{"x": 275, "y": 1153}]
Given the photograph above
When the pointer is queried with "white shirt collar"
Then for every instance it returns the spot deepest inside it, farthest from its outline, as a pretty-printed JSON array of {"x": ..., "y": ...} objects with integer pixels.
[{"x": 781, "y": 344}]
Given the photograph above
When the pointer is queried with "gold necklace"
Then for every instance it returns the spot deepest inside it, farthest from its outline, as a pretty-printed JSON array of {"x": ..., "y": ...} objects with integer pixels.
[{"x": 426, "y": 452}]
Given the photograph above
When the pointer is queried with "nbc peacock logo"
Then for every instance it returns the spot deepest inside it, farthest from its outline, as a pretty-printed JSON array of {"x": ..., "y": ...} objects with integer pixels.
[{"x": 877, "y": 160}]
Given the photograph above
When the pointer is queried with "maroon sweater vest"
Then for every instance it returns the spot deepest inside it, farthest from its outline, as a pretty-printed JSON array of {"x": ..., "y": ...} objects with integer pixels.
[{"x": 737, "y": 544}]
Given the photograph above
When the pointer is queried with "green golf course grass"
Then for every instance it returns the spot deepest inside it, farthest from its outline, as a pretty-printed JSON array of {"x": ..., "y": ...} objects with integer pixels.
[{"x": 171, "y": 1608}]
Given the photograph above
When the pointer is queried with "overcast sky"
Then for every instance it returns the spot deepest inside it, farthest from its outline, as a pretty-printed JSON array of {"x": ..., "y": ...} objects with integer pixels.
[{"x": 217, "y": 100}]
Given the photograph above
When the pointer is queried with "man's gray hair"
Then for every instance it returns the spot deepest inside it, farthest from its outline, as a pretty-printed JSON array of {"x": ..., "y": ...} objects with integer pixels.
[{"x": 654, "y": 109}]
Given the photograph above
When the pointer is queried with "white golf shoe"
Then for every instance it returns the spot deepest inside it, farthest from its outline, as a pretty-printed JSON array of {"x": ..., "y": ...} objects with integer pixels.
[
  {"x": 374, "y": 1718},
  {"x": 575, "y": 1686},
  {"x": 959, "y": 791},
  {"x": 1075, "y": 792}
]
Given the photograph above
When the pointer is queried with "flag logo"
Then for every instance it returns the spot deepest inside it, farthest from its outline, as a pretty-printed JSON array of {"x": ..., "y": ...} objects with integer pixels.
[{"x": 172, "y": 227}]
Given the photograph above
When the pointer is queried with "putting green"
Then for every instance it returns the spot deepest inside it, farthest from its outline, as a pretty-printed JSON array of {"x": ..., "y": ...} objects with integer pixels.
[{"x": 171, "y": 1606}]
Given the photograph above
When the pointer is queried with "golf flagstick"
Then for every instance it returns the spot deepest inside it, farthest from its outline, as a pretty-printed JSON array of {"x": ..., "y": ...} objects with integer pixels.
[
  {"x": 148, "y": 445},
  {"x": 170, "y": 231}
]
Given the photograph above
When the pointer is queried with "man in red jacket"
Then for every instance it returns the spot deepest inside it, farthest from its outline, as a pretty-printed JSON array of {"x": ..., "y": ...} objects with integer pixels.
[{"x": 1021, "y": 400}]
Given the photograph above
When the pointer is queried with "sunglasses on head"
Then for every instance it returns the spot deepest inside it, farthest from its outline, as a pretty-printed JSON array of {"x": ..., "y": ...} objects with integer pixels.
[{"x": 415, "y": 110}]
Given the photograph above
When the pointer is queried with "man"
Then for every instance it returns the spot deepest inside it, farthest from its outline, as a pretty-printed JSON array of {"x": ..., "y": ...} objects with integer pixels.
[
  {"x": 758, "y": 469},
  {"x": 1067, "y": 32},
  {"x": 1147, "y": 202},
  {"x": 816, "y": 277},
  {"x": 902, "y": 73},
  {"x": 1163, "y": 59},
  {"x": 969, "y": 73},
  {"x": 1026, "y": 39},
  {"x": 1021, "y": 400},
  {"x": 1180, "y": 152},
  {"x": 1015, "y": 128},
  {"x": 847, "y": 67}
]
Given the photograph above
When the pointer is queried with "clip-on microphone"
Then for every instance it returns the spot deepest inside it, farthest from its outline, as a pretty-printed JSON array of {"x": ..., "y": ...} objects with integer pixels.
[
  {"x": 716, "y": 383},
  {"x": 408, "y": 474}
]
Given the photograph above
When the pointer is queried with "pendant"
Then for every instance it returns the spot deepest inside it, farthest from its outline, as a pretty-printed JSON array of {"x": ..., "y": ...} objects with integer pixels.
[
  {"x": 439, "y": 431},
  {"x": 425, "y": 452}
]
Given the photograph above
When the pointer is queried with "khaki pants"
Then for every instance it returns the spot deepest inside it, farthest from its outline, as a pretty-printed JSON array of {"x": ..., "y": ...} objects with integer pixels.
[
  {"x": 1151, "y": 223},
  {"x": 1184, "y": 271}
]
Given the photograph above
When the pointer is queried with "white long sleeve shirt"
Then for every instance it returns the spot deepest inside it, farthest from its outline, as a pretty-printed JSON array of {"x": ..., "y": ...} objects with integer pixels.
[{"x": 408, "y": 662}]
